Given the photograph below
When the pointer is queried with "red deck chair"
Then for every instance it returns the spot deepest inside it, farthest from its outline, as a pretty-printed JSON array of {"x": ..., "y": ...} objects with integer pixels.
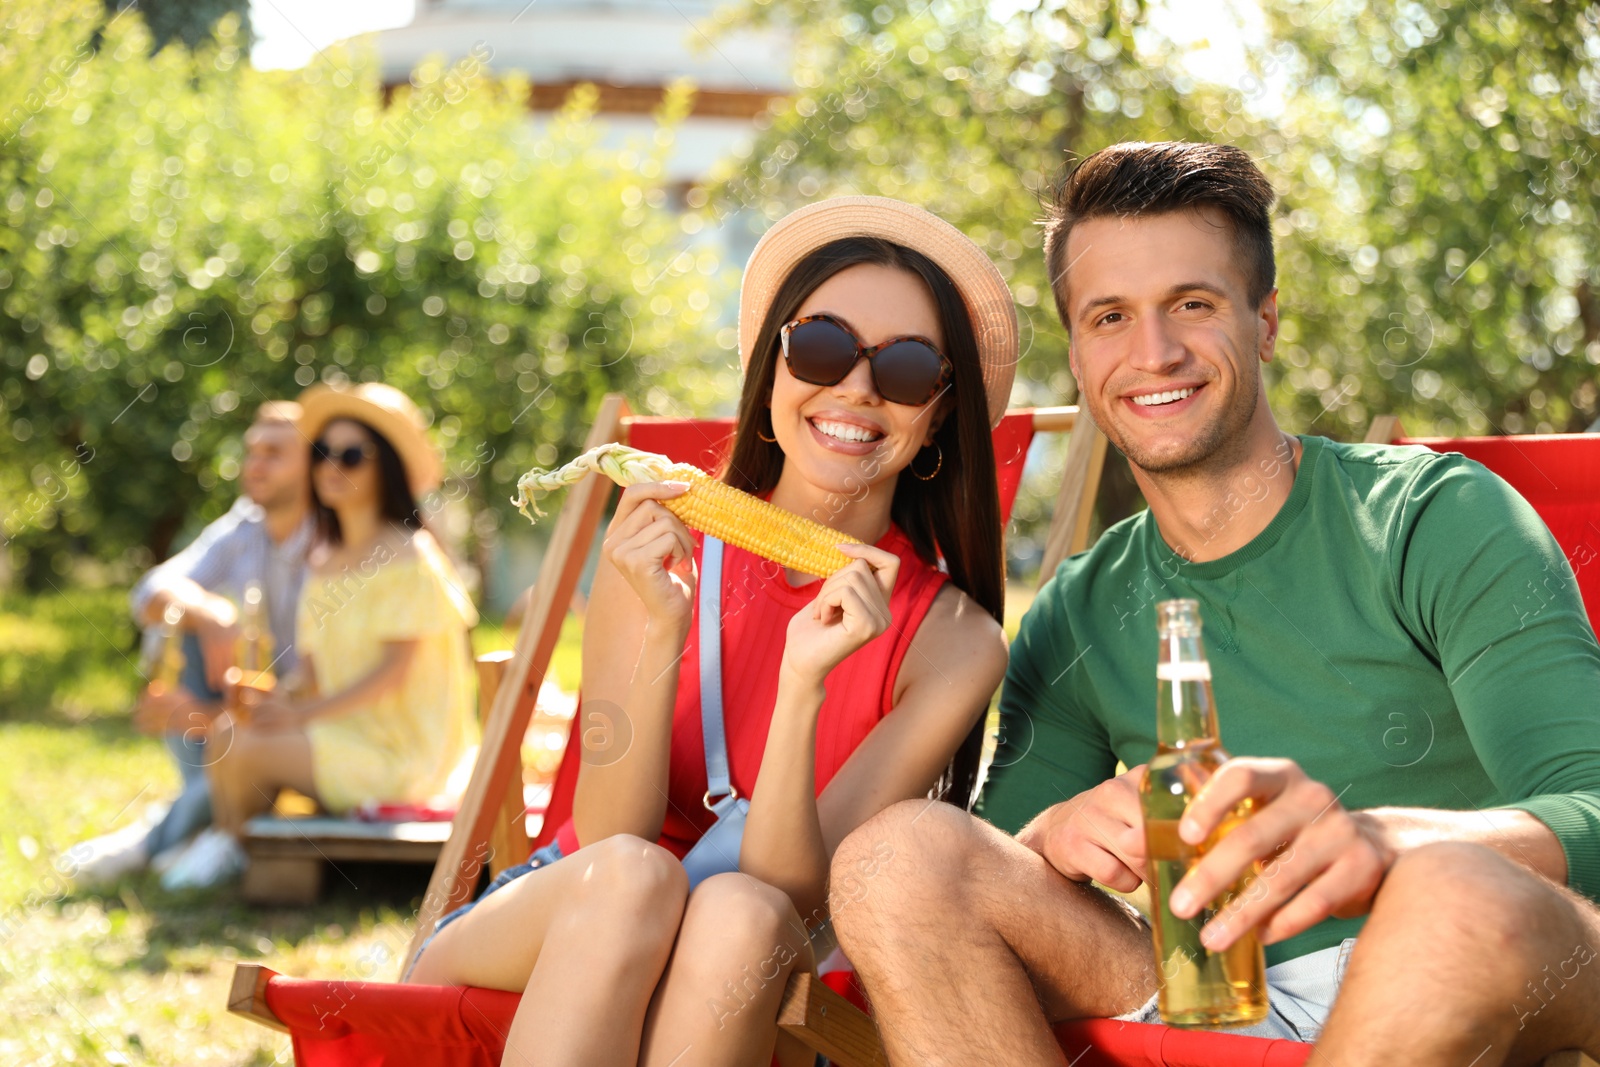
[
  {"x": 361, "y": 1023},
  {"x": 343, "y": 1024}
]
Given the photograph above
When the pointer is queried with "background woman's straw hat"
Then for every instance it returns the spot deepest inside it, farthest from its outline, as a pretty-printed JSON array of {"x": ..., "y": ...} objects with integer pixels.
[
  {"x": 388, "y": 411},
  {"x": 988, "y": 299}
]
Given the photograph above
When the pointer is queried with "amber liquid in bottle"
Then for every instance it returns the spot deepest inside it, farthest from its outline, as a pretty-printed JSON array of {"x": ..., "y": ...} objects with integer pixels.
[
  {"x": 167, "y": 667},
  {"x": 1198, "y": 987},
  {"x": 252, "y": 675}
]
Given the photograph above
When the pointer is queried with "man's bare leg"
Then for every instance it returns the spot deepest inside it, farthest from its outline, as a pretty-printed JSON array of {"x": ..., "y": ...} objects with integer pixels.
[
  {"x": 970, "y": 944},
  {"x": 1467, "y": 959}
]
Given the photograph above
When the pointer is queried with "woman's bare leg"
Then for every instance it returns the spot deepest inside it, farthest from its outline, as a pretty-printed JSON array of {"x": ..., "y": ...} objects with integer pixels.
[
  {"x": 585, "y": 939},
  {"x": 252, "y": 766},
  {"x": 717, "y": 1004}
]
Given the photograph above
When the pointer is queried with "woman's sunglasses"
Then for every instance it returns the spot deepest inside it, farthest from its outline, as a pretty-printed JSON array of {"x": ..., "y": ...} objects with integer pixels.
[
  {"x": 348, "y": 458},
  {"x": 821, "y": 350}
]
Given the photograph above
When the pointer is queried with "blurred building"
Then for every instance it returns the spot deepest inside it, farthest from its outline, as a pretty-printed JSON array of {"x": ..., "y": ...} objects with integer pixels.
[{"x": 631, "y": 50}]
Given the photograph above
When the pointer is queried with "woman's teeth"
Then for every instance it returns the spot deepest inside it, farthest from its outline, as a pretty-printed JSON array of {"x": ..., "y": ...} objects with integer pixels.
[
  {"x": 1171, "y": 395},
  {"x": 845, "y": 431}
]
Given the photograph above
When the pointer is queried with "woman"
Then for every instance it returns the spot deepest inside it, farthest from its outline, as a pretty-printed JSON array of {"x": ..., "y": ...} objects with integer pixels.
[
  {"x": 380, "y": 706},
  {"x": 840, "y": 697}
]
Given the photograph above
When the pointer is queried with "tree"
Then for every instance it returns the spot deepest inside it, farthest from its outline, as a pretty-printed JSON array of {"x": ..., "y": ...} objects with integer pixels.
[
  {"x": 184, "y": 237},
  {"x": 190, "y": 21},
  {"x": 1435, "y": 165},
  {"x": 1438, "y": 163}
]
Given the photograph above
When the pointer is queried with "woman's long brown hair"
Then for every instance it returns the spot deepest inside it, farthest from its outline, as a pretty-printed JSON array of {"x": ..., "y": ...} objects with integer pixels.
[{"x": 954, "y": 516}]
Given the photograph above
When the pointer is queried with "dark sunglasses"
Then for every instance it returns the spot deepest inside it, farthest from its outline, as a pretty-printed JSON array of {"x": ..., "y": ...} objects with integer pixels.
[
  {"x": 821, "y": 350},
  {"x": 348, "y": 458}
]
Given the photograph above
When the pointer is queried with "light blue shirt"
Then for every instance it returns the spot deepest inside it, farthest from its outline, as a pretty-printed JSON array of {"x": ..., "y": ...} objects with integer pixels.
[{"x": 229, "y": 554}]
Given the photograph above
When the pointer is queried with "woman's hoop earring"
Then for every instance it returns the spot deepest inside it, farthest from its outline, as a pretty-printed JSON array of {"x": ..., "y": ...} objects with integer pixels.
[
  {"x": 939, "y": 465},
  {"x": 763, "y": 437}
]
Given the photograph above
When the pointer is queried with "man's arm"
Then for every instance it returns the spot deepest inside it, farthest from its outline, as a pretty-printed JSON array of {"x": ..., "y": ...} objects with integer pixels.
[
  {"x": 1524, "y": 672},
  {"x": 186, "y": 578},
  {"x": 1051, "y": 779},
  {"x": 196, "y": 558}
]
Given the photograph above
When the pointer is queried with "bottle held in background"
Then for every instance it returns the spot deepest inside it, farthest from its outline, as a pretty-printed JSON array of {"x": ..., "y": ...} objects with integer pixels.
[
  {"x": 251, "y": 677},
  {"x": 167, "y": 666},
  {"x": 1198, "y": 987}
]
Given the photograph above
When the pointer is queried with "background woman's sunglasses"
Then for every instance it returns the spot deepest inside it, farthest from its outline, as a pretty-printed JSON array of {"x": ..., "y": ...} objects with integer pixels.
[
  {"x": 821, "y": 350},
  {"x": 348, "y": 458}
]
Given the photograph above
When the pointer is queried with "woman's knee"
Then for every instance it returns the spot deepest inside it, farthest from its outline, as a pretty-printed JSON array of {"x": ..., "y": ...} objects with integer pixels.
[
  {"x": 627, "y": 875},
  {"x": 744, "y": 912}
]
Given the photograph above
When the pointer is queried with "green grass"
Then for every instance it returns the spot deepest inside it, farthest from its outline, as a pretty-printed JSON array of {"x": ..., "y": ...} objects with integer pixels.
[{"x": 136, "y": 975}]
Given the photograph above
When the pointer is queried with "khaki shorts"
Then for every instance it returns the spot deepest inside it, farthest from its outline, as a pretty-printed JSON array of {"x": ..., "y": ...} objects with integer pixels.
[{"x": 1300, "y": 991}]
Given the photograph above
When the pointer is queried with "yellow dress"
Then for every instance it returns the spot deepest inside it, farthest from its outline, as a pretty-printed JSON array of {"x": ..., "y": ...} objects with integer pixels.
[{"x": 405, "y": 745}]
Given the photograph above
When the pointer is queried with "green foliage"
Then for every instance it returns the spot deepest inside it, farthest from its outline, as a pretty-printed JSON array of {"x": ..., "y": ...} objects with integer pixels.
[
  {"x": 190, "y": 21},
  {"x": 183, "y": 237},
  {"x": 1435, "y": 165},
  {"x": 1438, "y": 169}
]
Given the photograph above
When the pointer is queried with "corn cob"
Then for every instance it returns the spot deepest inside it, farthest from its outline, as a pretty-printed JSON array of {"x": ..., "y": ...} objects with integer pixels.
[{"x": 710, "y": 506}]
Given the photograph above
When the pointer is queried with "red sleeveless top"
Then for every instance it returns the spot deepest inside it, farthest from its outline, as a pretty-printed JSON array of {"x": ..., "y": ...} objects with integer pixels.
[{"x": 757, "y": 604}]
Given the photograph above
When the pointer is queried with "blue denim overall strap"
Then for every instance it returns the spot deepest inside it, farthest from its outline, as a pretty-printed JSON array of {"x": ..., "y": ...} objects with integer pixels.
[
  {"x": 718, "y": 783},
  {"x": 717, "y": 851}
]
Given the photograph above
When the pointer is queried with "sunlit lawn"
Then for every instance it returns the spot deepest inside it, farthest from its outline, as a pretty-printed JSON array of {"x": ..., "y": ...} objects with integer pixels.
[{"x": 137, "y": 975}]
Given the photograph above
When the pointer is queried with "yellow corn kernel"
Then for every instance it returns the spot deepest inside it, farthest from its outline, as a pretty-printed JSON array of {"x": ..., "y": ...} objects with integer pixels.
[{"x": 710, "y": 506}]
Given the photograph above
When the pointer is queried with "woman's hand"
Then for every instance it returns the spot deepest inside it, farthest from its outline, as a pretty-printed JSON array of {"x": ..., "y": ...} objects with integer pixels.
[
  {"x": 653, "y": 551},
  {"x": 851, "y": 609},
  {"x": 277, "y": 715}
]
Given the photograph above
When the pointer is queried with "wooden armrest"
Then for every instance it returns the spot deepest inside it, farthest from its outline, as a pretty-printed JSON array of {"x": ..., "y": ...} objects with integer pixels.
[
  {"x": 825, "y": 1022},
  {"x": 248, "y": 997}
]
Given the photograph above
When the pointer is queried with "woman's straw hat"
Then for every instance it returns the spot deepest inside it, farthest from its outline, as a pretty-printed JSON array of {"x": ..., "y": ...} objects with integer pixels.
[
  {"x": 388, "y": 411},
  {"x": 988, "y": 299}
]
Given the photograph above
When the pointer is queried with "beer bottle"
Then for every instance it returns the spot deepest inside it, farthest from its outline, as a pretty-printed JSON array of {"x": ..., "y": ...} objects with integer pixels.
[
  {"x": 168, "y": 666},
  {"x": 254, "y": 651},
  {"x": 1198, "y": 987}
]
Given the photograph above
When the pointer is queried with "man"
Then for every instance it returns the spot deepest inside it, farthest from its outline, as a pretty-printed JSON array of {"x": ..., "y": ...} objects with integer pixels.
[
  {"x": 263, "y": 538},
  {"x": 1348, "y": 591}
]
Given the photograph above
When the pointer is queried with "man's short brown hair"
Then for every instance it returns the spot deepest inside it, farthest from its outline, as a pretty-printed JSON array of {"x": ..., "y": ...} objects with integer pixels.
[
  {"x": 1137, "y": 178},
  {"x": 285, "y": 412}
]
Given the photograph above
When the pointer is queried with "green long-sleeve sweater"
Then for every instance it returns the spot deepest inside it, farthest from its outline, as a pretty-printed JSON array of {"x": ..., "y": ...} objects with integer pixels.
[{"x": 1405, "y": 628}]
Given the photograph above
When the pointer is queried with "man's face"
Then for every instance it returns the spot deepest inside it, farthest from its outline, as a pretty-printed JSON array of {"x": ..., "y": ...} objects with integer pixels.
[
  {"x": 276, "y": 464},
  {"x": 1166, "y": 346}
]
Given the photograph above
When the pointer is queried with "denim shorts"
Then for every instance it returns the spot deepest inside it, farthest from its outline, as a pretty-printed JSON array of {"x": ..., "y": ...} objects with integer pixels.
[
  {"x": 1300, "y": 992},
  {"x": 543, "y": 857}
]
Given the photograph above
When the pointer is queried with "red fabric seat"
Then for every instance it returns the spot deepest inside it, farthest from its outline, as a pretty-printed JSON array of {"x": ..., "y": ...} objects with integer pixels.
[
  {"x": 368, "y": 1024},
  {"x": 1108, "y": 1043}
]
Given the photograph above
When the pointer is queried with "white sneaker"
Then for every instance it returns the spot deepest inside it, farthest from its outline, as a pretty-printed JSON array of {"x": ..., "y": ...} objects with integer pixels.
[
  {"x": 162, "y": 861},
  {"x": 213, "y": 858},
  {"x": 102, "y": 860}
]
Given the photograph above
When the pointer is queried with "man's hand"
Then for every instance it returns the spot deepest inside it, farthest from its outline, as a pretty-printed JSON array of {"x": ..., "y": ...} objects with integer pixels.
[
  {"x": 219, "y": 634},
  {"x": 1319, "y": 860},
  {"x": 171, "y": 711},
  {"x": 1098, "y": 834}
]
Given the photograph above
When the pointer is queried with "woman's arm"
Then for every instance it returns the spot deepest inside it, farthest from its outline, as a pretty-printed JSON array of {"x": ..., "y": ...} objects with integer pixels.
[
  {"x": 634, "y": 634},
  {"x": 292, "y": 712},
  {"x": 955, "y": 663}
]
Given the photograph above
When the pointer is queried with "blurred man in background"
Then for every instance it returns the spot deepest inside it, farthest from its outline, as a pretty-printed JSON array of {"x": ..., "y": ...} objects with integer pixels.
[{"x": 261, "y": 540}]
